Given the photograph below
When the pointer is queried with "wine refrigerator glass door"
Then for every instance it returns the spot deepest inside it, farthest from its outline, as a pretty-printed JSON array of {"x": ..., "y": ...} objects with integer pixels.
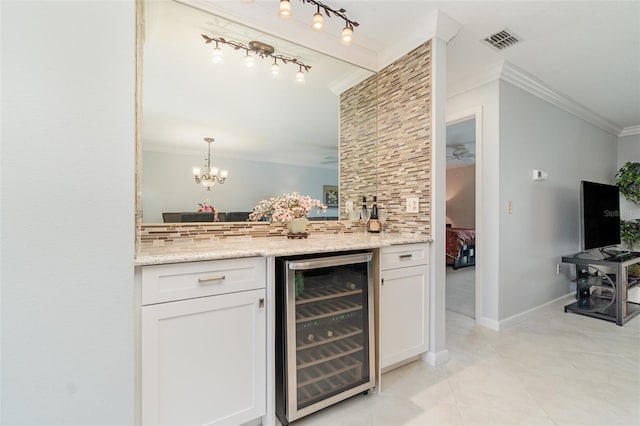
[{"x": 329, "y": 333}]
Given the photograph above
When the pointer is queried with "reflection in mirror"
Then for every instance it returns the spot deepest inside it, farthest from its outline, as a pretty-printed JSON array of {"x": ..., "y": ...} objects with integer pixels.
[{"x": 272, "y": 133}]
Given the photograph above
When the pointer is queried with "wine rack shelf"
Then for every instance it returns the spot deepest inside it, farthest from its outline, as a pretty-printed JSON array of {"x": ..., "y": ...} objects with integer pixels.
[
  {"x": 343, "y": 332},
  {"x": 320, "y": 310},
  {"x": 325, "y": 293},
  {"x": 328, "y": 352},
  {"x": 317, "y": 381}
]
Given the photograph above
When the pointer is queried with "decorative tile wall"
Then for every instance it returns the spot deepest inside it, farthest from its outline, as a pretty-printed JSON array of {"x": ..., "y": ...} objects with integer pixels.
[
  {"x": 404, "y": 140},
  {"x": 358, "y": 161},
  {"x": 399, "y": 97}
]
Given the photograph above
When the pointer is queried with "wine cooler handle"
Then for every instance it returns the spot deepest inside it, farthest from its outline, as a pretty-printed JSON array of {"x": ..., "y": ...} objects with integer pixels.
[
  {"x": 325, "y": 262},
  {"x": 261, "y": 302}
]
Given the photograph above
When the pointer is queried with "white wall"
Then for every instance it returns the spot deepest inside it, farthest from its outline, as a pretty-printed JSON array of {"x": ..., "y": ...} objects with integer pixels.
[
  {"x": 461, "y": 196},
  {"x": 544, "y": 224},
  {"x": 485, "y": 99},
  {"x": 67, "y": 225},
  {"x": 628, "y": 150},
  {"x": 168, "y": 184}
]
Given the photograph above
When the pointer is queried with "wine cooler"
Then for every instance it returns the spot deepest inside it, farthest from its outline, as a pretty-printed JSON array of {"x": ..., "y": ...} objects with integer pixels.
[{"x": 324, "y": 332}]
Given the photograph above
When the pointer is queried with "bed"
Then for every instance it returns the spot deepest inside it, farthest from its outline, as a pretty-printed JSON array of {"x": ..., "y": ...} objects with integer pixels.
[{"x": 461, "y": 247}]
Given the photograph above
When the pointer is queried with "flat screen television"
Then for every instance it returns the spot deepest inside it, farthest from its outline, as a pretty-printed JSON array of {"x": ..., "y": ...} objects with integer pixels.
[{"x": 599, "y": 215}]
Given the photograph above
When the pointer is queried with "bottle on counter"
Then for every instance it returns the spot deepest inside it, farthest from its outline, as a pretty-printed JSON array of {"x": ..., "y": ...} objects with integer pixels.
[
  {"x": 364, "y": 207},
  {"x": 374, "y": 222}
]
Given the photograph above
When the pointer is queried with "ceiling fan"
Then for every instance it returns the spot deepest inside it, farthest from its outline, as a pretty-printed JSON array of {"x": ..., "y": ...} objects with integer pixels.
[{"x": 460, "y": 153}]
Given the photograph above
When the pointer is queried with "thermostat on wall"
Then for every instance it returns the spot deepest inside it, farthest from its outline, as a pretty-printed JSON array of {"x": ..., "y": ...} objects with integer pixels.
[{"x": 539, "y": 175}]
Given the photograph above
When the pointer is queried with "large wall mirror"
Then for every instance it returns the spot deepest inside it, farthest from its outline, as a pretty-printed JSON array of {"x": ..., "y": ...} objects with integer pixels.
[{"x": 272, "y": 133}]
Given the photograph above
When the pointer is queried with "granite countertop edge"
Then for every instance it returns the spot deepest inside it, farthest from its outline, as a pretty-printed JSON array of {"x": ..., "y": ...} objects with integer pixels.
[{"x": 269, "y": 246}]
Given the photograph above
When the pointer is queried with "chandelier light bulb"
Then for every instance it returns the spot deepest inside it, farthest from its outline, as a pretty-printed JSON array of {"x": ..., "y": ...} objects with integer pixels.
[
  {"x": 196, "y": 171},
  {"x": 275, "y": 68},
  {"x": 285, "y": 9},
  {"x": 224, "y": 174},
  {"x": 300, "y": 76},
  {"x": 317, "y": 23},
  {"x": 347, "y": 35},
  {"x": 248, "y": 60}
]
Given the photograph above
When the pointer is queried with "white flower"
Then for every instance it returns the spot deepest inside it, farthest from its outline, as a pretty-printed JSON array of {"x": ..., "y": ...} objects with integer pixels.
[{"x": 286, "y": 207}]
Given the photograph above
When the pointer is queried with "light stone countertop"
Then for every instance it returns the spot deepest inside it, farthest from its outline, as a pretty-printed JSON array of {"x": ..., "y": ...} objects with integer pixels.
[{"x": 269, "y": 246}]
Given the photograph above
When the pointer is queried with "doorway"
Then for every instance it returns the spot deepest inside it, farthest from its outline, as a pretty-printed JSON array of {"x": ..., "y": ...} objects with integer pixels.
[{"x": 460, "y": 275}]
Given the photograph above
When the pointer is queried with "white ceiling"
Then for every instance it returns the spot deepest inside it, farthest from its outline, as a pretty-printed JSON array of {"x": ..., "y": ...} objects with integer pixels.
[{"x": 586, "y": 51}]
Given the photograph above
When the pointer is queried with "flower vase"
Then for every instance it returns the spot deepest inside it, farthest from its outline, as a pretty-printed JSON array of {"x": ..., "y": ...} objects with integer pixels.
[{"x": 298, "y": 225}]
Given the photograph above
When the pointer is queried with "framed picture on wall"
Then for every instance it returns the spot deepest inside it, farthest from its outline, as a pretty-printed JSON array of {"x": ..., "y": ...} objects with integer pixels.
[{"x": 330, "y": 195}]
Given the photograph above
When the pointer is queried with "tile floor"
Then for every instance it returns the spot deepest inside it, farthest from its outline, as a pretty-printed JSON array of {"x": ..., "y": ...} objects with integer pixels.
[
  {"x": 552, "y": 369},
  {"x": 461, "y": 290}
]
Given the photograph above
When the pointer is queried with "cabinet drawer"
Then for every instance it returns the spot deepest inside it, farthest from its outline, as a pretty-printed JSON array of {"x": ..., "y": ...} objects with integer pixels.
[
  {"x": 404, "y": 255},
  {"x": 165, "y": 283}
]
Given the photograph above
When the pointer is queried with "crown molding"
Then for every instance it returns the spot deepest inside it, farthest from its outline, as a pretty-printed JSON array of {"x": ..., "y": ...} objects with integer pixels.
[
  {"x": 474, "y": 80},
  {"x": 510, "y": 73},
  {"x": 525, "y": 81},
  {"x": 630, "y": 131}
]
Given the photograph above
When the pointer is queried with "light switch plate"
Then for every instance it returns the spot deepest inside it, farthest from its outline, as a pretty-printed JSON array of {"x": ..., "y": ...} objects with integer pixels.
[
  {"x": 413, "y": 205},
  {"x": 349, "y": 206}
]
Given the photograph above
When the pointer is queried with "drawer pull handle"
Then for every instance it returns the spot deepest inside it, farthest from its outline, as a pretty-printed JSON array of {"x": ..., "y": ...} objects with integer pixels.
[
  {"x": 206, "y": 280},
  {"x": 405, "y": 256}
]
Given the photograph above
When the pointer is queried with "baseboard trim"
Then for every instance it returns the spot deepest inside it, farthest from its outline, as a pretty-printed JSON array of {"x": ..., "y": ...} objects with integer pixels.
[
  {"x": 436, "y": 358},
  {"x": 488, "y": 323},
  {"x": 517, "y": 318}
]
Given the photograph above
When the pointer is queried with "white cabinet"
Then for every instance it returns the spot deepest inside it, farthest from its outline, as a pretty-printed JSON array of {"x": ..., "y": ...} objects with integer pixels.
[
  {"x": 404, "y": 303},
  {"x": 203, "y": 359}
]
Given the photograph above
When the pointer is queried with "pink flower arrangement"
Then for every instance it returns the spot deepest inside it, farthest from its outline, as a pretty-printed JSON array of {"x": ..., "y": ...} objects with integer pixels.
[
  {"x": 206, "y": 207},
  {"x": 286, "y": 207}
]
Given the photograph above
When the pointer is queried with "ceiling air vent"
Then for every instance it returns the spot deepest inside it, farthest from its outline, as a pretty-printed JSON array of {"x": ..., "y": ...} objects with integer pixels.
[{"x": 502, "y": 39}]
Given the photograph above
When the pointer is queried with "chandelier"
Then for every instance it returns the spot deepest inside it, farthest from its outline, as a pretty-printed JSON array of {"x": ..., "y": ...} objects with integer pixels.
[
  {"x": 317, "y": 22},
  {"x": 210, "y": 176},
  {"x": 256, "y": 49}
]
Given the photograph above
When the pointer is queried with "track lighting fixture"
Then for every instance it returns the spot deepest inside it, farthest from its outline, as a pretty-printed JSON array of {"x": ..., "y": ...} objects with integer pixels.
[
  {"x": 317, "y": 23},
  {"x": 347, "y": 35},
  {"x": 300, "y": 76},
  {"x": 248, "y": 59},
  {"x": 285, "y": 9},
  {"x": 217, "y": 54},
  {"x": 256, "y": 49}
]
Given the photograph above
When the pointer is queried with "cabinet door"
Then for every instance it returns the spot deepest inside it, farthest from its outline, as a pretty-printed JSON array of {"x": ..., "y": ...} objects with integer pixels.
[
  {"x": 203, "y": 360},
  {"x": 404, "y": 314}
]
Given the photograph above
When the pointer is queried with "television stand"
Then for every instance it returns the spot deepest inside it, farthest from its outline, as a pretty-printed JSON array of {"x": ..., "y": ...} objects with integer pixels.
[{"x": 602, "y": 286}]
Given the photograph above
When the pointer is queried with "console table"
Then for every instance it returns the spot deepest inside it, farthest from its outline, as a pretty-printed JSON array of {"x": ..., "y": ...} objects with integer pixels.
[{"x": 602, "y": 285}]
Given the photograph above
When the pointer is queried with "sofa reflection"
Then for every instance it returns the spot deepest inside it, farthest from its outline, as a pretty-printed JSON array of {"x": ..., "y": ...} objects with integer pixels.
[{"x": 183, "y": 217}]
